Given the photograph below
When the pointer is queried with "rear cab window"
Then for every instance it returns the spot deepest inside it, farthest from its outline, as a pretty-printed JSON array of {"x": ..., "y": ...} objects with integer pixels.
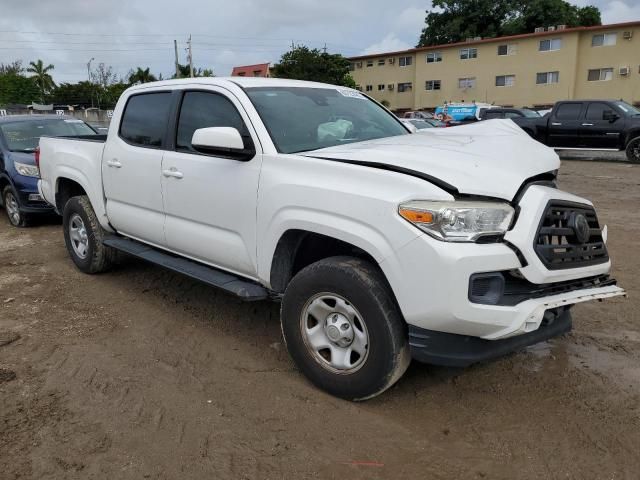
[
  {"x": 569, "y": 111},
  {"x": 145, "y": 117}
]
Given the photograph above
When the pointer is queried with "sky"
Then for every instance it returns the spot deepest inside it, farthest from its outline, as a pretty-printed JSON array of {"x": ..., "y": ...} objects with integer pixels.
[{"x": 126, "y": 34}]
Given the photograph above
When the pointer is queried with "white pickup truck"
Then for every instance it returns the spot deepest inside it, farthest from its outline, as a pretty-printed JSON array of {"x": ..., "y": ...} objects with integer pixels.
[{"x": 450, "y": 246}]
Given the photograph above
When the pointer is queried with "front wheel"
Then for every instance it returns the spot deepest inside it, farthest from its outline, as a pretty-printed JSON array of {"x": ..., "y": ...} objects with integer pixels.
[
  {"x": 633, "y": 150},
  {"x": 83, "y": 237},
  {"x": 343, "y": 328},
  {"x": 12, "y": 207}
]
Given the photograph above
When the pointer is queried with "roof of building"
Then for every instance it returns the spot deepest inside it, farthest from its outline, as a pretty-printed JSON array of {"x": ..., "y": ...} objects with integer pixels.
[
  {"x": 263, "y": 68},
  {"x": 500, "y": 39}
]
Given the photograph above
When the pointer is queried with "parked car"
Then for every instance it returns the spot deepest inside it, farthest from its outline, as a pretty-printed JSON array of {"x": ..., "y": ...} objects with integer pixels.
[
  {"x": 417, "y": 123},
  {"x": 381, "y": 245},
  {"x": 588, "y": 124},
  {"x": 19, "y": 135},
  {"x": 493, "y": 113},
  {"x": 418, "y": 115}
]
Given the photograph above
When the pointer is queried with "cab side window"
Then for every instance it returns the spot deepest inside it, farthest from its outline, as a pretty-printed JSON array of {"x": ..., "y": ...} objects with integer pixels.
[
  {"x": 569, "y": 111},
  {"x": 144, "y": 121},
  {"x": 202, "y": 110}
]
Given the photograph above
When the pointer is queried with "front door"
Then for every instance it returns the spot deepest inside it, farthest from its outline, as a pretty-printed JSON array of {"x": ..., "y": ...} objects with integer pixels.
[
  {"x": 596, "y": 131},
  {"x": 131, "y": 166},
  {"x": 210, "y": 200}
]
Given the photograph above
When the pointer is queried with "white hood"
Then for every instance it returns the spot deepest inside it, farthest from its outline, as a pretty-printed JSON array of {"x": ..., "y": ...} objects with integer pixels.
[{"x": 492, "y": 158}]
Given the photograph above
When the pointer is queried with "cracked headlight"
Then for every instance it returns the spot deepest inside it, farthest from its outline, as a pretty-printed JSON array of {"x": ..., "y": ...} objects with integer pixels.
[
  {"x": 458, "y": 221},
  {"x": 26, "y": 170}
]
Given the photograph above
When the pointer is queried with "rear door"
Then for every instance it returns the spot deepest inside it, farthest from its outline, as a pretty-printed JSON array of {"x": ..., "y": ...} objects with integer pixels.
[
  {"x": 598, "y": 132},
  {"x": 210, "y": 200},
  {"x": 131, "y": 168},
  {"x": 563, "y": 129}
]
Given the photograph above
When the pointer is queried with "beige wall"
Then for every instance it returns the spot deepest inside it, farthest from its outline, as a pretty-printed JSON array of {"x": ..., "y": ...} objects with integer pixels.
[{"x": 575, "y": 57}]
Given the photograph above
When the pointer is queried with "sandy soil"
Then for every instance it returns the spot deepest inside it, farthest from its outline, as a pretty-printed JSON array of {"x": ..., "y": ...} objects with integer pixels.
[{"x": 140, "y": 373}]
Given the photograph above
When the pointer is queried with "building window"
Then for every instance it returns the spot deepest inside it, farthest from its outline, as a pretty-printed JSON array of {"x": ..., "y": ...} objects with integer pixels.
[
  {"x": 242, "y": 74},
  {"x": 509, "y": 49},
  {"x": 432, "y": 85},
  {"x": 352, "y": 67},
  {"x": 359, "y": 87},
  {"x": 380, "y": 87},
  {"x": 405, "y": 61},
  {"x": 469, "y": 82},
  {"x": 550, "y": 45},
  {"x": 505, "y": 80},
  {"x": 369, "y": 88},
  {"x": 467, "y": 53},
  {"x": 434, "y": 57},
  {"x": 369, "y": 63},
  {"x": 381, "y": 62},
  {"x": 543, "y": 78},
  {"x": 604, "y": 39},
  {"x": 404, "y": 87},
  {"x": 600, "y": 75}
]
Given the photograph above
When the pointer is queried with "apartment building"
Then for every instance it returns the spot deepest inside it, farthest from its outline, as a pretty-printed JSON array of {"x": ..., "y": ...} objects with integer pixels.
[{"x": 534, "y": 70}]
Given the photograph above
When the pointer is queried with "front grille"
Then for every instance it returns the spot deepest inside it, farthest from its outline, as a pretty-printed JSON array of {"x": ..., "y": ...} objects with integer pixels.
[{"x": 557, "y": 243}]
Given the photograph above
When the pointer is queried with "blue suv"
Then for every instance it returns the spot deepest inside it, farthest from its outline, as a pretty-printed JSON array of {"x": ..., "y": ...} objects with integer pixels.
[{"x": 19, "y": 137}]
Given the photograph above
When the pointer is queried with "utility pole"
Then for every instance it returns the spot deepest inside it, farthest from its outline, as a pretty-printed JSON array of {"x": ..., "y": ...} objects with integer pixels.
[
  {"x": 175, "y": 47},
  {"x": 325, "y": 48},
  {"x": 190, "y": 58},
  {"x": 89, "y": 78}
]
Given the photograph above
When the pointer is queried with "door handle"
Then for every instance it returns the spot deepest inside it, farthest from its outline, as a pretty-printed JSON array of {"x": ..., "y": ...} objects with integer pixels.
[
  {"x": 172, "y": 172},
  {"x": 587, "y": 124},
  {"x": 556, "y": 124},
  {"x": 114, "y": 163}
]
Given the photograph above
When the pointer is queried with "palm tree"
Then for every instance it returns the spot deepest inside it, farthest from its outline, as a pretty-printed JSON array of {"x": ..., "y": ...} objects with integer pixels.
[
  {"x": 141, "y": 76},
  {"x": 42, "y": 77}
]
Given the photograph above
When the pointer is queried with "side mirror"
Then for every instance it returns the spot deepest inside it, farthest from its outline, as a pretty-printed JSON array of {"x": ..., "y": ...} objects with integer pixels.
[
  {"x": 222, "y": 141},
  {"x": 610, "y": 115}
]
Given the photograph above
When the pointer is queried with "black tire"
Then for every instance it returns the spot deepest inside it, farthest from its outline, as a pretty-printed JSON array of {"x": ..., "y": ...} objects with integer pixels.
[
  {"x": 98, "y": 257},
  {"x": 16, "y": 217},
  {"x": 633, "y": 150},
  {"x": 363, "y": 286}
]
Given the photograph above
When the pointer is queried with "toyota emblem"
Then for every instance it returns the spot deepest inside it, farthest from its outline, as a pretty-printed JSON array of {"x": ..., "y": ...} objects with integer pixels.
[{"x": 581, "y": 228}]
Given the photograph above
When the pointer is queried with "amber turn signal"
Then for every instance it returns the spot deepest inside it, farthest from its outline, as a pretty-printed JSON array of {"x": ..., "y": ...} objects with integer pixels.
[{"x": 415, "y": 216}]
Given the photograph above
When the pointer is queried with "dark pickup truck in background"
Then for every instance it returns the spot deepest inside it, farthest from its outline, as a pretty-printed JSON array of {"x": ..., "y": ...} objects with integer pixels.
[{"x": 588, "y": 124}]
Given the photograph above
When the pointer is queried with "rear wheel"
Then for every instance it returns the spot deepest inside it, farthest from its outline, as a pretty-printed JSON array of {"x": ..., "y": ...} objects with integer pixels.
[
  {"x": 12, "y": 207},
  {"x": 343, "y": 328},
  {"x": 83, "y": 237},
  {"x": 633, "y": 150}
]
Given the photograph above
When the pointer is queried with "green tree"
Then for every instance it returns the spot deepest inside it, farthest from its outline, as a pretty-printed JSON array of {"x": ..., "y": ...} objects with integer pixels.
[
  {"x": 16, "y": 88},
  {"x": 14, "y": 68},
  {"x": 197, "y": 72},
  {"x": 42, "y": 77},
  {"x": 456, "y": 20},
  {"x": 542, "y": 13},
  {"x": 78, "y": 94},
  {"x": 303, "y": 63},
  {"x": 141, "y": 76}
]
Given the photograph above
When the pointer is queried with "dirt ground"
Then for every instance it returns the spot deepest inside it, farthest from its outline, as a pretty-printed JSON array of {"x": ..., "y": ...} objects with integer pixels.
[{"x": 140, "y": 373}]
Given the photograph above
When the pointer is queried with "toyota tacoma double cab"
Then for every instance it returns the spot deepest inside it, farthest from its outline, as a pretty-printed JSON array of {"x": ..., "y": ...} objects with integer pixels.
[
  {"x": 450, "y": 247},
  {"x": 588, "y": 125}
]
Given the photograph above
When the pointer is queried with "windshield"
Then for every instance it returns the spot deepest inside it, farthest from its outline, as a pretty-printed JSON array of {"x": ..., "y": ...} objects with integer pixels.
[
  {"x": 628, "y": 109},
  {"x": 421, "y": 124},
  {"x": 301, "y": 119},
  {"x": 23, "y": 136},
  {"x": 530, "y": 113}
]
